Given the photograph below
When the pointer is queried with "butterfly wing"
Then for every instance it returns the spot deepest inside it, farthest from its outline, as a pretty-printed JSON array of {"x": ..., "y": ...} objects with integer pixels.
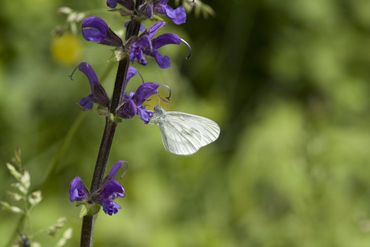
[{"x": 185, "y": 134}]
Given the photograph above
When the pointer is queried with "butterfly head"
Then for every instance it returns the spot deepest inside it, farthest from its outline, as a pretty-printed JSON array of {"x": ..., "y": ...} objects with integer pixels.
[
  {"x": 158, "y": 114},
  {"x": 158, "y": 110}
]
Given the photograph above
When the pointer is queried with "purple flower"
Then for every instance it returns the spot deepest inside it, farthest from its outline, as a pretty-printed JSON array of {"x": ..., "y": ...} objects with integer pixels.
[
  {"x": 131, "y": 72},
  {"x": 154, "y": 7},
  {"x": 145, "y": 44},
  {"x": 97, "y": 93},
  {"x": 78, "y": 190},
  {"x": 110, "y": 190},
  {"x": 95, "y": 29},
  {"x": 133, "y": 102},
  {"x": 160, "y": 7},
  {"x": 129, "y": 4},
  {"x": 104, "y": 196}
]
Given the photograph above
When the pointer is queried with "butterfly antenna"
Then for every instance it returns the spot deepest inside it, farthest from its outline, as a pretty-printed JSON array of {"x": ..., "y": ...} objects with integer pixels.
[
  {"x": 70, "y": 76},
  {"x": 189, "y": 49},
  {"x": 166, "y": 99}
]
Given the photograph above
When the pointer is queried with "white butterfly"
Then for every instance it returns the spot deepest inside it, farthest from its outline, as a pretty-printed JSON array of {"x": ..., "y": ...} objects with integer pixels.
[{"x": 182, "y": 133}]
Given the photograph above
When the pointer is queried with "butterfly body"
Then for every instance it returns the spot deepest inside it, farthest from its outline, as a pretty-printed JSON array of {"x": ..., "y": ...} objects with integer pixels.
[{"x": 183, "y": 133}]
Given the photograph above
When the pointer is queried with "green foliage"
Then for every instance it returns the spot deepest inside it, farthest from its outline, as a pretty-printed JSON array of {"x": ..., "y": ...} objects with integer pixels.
[
  {"x": 25, "y": 202},
  {"x": 26, "y": 199}
]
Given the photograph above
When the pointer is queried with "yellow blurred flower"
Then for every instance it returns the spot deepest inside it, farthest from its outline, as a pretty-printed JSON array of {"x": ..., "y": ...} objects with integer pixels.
[{"x": 66, "y": 49}]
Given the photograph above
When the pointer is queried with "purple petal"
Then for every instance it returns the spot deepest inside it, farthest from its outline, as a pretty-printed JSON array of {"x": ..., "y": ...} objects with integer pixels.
[
  {"x": 77, "y": 190},
  {"x": 110, "y": 207},
  {"x": 146, "y": 10},
  {"x": 128, "y": 110},
  {"x": 166, "y": 39},
  {"x": 178, "y": 15},
  {"x": 142, "y": 28},
  {"x": 131, "y": 72},
  {"x": 160, "y": 8},
  {"x": 95, "y": 29},
  {"x": 154, "y": 28},
  {"x": 138, "y": 54},
  {"x": 144, "y": 91},
  {"x": 139, "y": 47},
  {"x": 90, "y": 74},
  {"x": 115, "y": 168},
  {"x": 112, "y": 3},
  {"x": 164, "y": 62},
  {"x": 87, "y": 102},
  {"x": 98, "y": 94},
  {"x": 111, "y": 189},
  {"x": 144, "y": 43},
  {"x": 144, "y": 114}
]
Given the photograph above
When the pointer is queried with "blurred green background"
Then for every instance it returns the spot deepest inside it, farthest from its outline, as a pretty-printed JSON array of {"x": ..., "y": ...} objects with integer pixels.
[{"x": 288, "y": 82}]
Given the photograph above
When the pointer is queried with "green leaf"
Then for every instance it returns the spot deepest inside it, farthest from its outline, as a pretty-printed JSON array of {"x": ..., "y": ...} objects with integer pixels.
[
  {"x": 89, "y": 209},
  {"x": 83, "y": 211},
  {"x": 93, "y": 209}
]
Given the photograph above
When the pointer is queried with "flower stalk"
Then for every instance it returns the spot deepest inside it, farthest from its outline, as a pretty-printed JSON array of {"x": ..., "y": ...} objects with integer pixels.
[{"x": 108, "y": 135}]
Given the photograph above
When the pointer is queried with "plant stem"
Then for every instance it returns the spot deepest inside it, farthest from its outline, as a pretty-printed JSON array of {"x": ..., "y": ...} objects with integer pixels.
[
  {"x": 17, "y": 231},
  {"x": 109, "y": 130}
]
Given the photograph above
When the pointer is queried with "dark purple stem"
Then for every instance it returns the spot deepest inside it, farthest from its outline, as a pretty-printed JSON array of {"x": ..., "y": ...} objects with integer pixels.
[{"x": 107, "y": 139}]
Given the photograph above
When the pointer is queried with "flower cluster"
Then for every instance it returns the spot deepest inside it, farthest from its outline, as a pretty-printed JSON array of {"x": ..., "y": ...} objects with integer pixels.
[
  {"x": 138, "y": 47},
  {"x": 153, "y": 7},
  {"x": 146, "y": 44},
  {"x": 95, "y": 29},
  {"x": 104, "y": 196},
  {"x": 133, "y": 102}
]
